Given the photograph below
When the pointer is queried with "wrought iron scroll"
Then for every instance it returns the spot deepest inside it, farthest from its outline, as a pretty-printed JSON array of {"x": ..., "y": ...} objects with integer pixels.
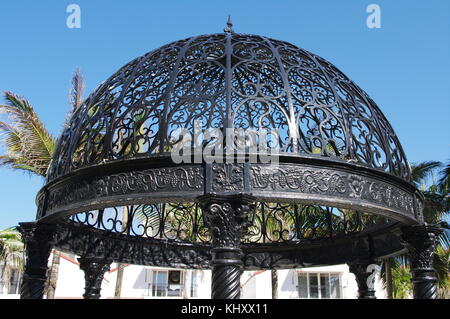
[
  {"x": 229, "y": 80},
  {"x": 167, "y": 221},
  {"x": 272, "y": 222}
]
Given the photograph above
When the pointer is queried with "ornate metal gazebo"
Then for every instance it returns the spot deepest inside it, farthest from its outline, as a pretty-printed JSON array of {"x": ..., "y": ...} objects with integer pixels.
[{"x": 340, "y": 191}]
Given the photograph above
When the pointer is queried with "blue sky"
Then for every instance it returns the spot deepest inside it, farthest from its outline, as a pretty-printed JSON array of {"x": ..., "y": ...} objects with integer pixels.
[{"x": 404, "y": 66}]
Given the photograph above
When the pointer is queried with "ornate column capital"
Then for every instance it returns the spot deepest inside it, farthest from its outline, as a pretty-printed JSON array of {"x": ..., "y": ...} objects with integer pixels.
[
  {"x": 39, "y": 239},
  {"x": 228, "y": 218},
  {"x": 94, "y": 271},
  {"x": 364, "y": 272},
  {"x": 420, "y": 241}
]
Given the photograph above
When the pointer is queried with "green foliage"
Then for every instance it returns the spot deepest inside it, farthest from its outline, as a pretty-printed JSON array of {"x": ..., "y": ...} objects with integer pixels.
[
  {"x": 11, "y": 252},
  {"x": 442, "y": 266},
  {"x": 402, "y": 287}
]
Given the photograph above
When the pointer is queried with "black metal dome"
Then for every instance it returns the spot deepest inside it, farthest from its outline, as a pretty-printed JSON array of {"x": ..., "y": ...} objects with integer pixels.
[{"x": 230, "y": 80}]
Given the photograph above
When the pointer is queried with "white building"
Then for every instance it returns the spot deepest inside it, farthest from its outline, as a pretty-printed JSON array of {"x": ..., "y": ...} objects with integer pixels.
[{"x": 152, "y": 282}]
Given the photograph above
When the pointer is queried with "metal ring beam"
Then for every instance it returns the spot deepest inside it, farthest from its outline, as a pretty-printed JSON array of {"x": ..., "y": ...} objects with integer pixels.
[{"x": 299, "y": 180}]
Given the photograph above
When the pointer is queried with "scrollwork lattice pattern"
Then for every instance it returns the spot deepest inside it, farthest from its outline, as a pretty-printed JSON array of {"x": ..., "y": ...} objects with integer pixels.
[
  {"x": 229, "y": 80},
  {"x": 270, "y": 222}
]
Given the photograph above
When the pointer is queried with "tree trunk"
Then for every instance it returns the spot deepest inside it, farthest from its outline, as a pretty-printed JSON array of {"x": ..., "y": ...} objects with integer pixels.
[
  {"x": 53, "y": 275},
  {"x": 274, "y": 276},
  {"x": 389, "y": 281},
  {"x": 118, "y": 289}
]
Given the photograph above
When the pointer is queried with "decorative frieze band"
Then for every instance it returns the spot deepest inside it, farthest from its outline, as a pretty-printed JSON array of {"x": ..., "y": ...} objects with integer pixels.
[
  {"x": 293, "y": 182},
  {"x": 151, "y": 182},
  {"x": 332, "y": 183}
]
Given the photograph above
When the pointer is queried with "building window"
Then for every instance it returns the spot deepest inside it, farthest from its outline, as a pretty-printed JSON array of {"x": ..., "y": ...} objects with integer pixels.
[
  {"x": 159, "y": 284},
  {"x": 174, "y": 288},
  {"x": 319, "y": 285},
  {"x": 166, "y": 283}
]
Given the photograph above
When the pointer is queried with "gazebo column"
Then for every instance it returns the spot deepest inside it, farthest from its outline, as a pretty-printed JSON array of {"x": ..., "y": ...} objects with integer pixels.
[
  {"x": 420, "y": 240},
  {"x": 94, "y": 271},
  {"x": 365, "y": 277},
  {"x": 39, "y": 239},
  {"x": 227, "y": 218}
]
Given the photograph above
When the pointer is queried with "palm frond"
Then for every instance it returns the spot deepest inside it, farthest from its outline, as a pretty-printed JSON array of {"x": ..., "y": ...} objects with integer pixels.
[
  {"x": 444, "y": 238},
  {"x": 77, "y": 89},
  {"x": 422, "y": 170},
  {"x": 75, "y": 95},
  {"x": 444, "y": 181},
  {"x": 436, "y": 206},
  {"x": 29, "y": 146}
]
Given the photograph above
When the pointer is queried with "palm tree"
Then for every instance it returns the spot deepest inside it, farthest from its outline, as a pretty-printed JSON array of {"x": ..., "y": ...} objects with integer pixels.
[
  {"x": 11, "y": 253},
  {"x": 29, "y": 145},
  {"x": 436, "y": 211}
]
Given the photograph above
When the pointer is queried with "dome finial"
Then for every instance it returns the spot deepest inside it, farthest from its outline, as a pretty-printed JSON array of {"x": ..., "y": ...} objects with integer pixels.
[{"x": 229, "y": 28}]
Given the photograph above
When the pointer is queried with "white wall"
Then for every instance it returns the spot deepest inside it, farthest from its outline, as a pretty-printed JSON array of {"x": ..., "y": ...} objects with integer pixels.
[
  {"x": 256, "y": 284},
  {"x": 204, "y": 284},
  {"x": 135, "y": 282},
  {"x": 70, "y": 282},
  {"x": 287, "y": 284}
]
